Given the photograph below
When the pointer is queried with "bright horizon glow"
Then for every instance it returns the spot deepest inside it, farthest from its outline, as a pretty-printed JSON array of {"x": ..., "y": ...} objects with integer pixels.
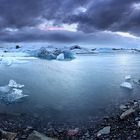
[
  {"x": 48, "y": 26},
  {"x": 123, "y": 34},
  {"x": 136, "y": 6},
  {"x": 126, "y": 34}
]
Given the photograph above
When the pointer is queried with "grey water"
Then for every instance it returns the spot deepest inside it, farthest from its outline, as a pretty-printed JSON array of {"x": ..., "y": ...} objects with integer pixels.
[{"x": 88, "y": 86}]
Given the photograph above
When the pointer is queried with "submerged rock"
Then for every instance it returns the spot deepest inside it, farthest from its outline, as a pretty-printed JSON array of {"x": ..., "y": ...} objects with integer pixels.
[
  {"x": 127, "y": 85},
  {"x": 38, "y": 136},
  {"x": 104, "y": 131},
  {"x": 127, "y": 113}
]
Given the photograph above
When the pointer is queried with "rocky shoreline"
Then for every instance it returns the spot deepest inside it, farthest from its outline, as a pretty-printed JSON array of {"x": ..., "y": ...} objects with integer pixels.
[{"x": 125, "y": 125}]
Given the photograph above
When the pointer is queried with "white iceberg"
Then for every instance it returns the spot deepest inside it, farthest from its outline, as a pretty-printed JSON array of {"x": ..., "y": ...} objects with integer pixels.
[
  {"x": 127, "y": 85},
  {"x": 15, "y": 95},
  {"x": 13, "y": 84},
  {"x": 7, "y": 61},
  {"x": 12, "y": 92},
  {"x": 128, "y": 77},
  {"x": 60, "y": 56}
]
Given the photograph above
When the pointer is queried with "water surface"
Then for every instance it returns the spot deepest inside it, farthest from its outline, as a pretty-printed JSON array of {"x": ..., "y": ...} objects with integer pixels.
[{"x": 86, "y": 87}]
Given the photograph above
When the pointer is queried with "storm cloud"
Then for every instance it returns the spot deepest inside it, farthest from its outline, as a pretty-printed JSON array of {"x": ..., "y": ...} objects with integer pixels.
[{"x": 29, "y": 21}]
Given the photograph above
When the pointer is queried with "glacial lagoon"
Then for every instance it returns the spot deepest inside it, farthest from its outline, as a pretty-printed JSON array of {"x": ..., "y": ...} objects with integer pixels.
[{"x": 71, "y": 91}]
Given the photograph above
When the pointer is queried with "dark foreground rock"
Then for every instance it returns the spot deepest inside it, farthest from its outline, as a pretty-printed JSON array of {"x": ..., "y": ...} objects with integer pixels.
[
  {"x": 124, "y": 126},
  {"x": 38, "y": 136}
]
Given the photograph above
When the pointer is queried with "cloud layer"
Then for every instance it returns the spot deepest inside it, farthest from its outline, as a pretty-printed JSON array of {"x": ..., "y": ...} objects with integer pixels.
[{"x": 97, "y": 21}]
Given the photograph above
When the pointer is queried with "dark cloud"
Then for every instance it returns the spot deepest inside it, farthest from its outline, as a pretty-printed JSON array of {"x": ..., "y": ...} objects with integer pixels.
[
  {"x": 113, "y": 15},
  {"x": 101, "y": 15}
]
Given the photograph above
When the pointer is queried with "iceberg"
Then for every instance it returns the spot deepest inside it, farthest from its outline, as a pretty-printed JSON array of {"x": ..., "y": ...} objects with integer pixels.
[
  {"x": 50, "y": 54},
  {"x": 68, "y": 54},
  {"x": 13, "y": 84},
  {"x": 127, "y": 85},
  {"x": 128, "y": 77},
  {"x": 6, "y": 61},
  {"x": 43, "y": 53},
  {"x": 60, "y": 56},
  {"x": 12, "y": 92},
  {"x": 15, "y": 95}
]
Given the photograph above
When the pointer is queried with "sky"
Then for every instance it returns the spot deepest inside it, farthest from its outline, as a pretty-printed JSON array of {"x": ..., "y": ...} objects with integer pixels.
[{"x": 95, "y": 23}]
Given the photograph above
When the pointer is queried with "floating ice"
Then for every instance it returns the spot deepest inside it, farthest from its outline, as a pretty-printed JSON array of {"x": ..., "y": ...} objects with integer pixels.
[
  {"x": 6, "y": 61},
  {"x": 128, "y": 77},
  {"x": 12, "y": 92},
  {"x": 127, "y": 85},
  {"x": 13, "y": 84},
  {"x": 68, "y": 54},
  {"x": 60, "y": 56},
  {"x": 15, "y": 95}
]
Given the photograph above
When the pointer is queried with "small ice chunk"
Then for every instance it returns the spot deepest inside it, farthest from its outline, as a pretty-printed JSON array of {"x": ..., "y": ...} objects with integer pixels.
[
  {"x": 13, "y": 84},
  {"x": 127, "y": 85},
  {"x": 4, "y": 89},
  {"x": 104, "y": 131},
  {"x": 7, "y": 61},
  {"x": 128, "y": 77},
  {"x": 15, "y": 95},
  {"x": 60, "y": 56}
]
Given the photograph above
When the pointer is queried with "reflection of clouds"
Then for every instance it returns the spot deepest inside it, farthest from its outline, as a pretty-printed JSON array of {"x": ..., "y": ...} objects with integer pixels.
[{"x": 124, "y": 59}]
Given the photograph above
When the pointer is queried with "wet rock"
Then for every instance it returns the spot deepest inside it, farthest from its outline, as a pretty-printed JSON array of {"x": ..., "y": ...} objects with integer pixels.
[
  {"x": 138, "y": 123},
  {"x": 123, "y": 107},
  {"x": 127, "y": 113},
  {"x": 104, "y": 131},
  {"x": 8, "y": 135},
  {"x": 73, "y": 132},
  {"x": 38, "y": 136}
]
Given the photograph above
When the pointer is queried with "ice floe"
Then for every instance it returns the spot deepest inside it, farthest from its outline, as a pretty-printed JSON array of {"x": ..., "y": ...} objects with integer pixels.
[
  {"x": 12, "y": 92},
  {"x": 60, "y": 56},
  {"x": 15, "y": 95},
  {"x": 128, "y": 77},
  {"x": 13, "y": 84},
  {"x": 127, "y": 85}
]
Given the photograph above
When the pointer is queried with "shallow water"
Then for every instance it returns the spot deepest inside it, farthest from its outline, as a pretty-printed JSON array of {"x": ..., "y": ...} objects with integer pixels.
[{"x": 86, "y": 87}]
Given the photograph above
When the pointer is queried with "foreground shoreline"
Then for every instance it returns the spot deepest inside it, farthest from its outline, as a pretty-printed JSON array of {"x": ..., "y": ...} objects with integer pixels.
[{"x": 125, "y": 125}]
